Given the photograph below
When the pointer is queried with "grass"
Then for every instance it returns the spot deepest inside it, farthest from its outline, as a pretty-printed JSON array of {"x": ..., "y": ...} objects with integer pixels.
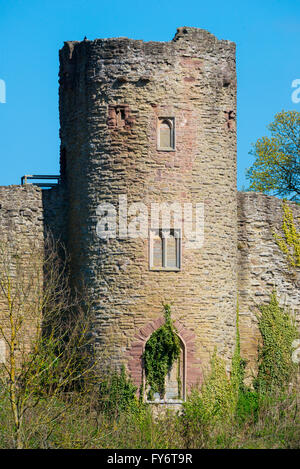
[{"x": 79, "y": 424}]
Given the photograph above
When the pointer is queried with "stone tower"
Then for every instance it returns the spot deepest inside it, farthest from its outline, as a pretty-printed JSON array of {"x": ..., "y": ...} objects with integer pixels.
[{"x": 151, "y": 123}]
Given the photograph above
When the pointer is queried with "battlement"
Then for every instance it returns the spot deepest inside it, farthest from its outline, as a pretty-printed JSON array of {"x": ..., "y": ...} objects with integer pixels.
[
  {"x": 140, "y": 59},
  {"x": 184, "y": 34}
]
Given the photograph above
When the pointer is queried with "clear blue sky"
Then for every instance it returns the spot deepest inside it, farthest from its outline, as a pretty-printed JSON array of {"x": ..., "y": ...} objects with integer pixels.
[{"x": 267, "y": 34}]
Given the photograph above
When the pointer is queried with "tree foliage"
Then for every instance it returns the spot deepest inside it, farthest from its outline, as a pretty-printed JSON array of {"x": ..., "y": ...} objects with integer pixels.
[
  {"x": 46, "y": 334},
  {"x": 276, "y": 169}
]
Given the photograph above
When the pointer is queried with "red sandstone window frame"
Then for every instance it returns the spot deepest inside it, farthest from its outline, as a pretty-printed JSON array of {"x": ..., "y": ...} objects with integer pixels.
[
  {"x": 154, "y": 232},
  {"x": 171, "y": 122},
  {"x": 166, "y": 400}
]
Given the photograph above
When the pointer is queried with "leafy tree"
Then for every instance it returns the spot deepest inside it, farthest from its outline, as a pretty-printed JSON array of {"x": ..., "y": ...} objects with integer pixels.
[
  {"x": 46, "y": 337},
  {"x": 276, "y": 169}
]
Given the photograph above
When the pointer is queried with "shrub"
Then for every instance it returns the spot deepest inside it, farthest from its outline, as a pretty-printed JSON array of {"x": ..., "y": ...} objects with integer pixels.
[
  {"x": 247, "y": 406},
  {"x": 117, "y": 394},
  {"x": 218, "y": 392},
  {"x": 216, "y": 399},
  {"x": 238, "y": 363}
]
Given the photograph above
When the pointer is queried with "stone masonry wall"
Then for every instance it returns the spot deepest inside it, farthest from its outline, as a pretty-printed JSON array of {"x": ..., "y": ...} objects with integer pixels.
[
  {"x": 261, "y": 265},
  {"x": 21, "y": 259},
  {"x": 55, "y": 212},
  {"x": 192, "y": 79}
]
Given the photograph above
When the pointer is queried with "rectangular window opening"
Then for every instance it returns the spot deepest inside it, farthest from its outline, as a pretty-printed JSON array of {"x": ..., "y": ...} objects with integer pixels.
[{"x": 165, "y": 249}]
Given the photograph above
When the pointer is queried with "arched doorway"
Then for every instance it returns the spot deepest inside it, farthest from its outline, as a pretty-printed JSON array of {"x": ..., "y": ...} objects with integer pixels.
[{"x": 174, "y": 382}]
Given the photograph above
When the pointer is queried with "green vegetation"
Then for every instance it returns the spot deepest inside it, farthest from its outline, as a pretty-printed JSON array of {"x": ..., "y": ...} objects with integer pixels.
[
  {"x": 52, "y": 396},
  {"x": 289, "y": 241},
  {"x": 276, "y": 169},
  {"x": 246, "y": 404},
  {"x": 275, "y": 366},
  {"x": 48, "y": 344},
  {"x": 209, "y": 408},
  {"x": 117, "y": 393},
  {"x": 84, "y": 421},
  {"x": 238, "y": 363},
  {"x": 161, "y": 351}
]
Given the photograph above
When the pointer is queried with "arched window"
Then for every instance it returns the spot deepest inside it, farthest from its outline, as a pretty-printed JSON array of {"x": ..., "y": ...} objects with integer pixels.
[{"x": 166, "y": 133}]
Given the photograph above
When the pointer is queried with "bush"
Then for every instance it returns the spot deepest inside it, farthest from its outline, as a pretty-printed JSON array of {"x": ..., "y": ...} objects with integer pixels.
[
  {"x": 117, "y": 394},
  {"x": 207, "y": 407},
  {"x": 218, "y": 392},
  {"x": 247, "y": 406}
]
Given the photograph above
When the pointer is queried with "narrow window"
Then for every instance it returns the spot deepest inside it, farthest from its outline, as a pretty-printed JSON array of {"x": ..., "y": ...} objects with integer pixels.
[
  {"x": 171, "y": 251},
  {"x": 166, "y": 134},
  {"x": 165, "y": 249},
  {"x": 119, "y": 116},
  {"x": 157, "y": 251},
  {"x": 120, "y": 112}
]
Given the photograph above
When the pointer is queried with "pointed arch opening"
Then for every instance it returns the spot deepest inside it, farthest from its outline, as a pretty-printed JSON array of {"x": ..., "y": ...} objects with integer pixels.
[
  {"x": 174, "y": 381},
  {"x": 166, "y": 134}
]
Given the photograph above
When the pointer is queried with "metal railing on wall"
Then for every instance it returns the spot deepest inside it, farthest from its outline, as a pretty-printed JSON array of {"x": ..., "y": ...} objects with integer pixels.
[{"x": 47, "y": 177}]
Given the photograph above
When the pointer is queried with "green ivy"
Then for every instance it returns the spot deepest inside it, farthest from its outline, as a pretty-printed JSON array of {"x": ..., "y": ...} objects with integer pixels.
[
  {"x": 278, "y": 330},
  {"x": 289, "y": 243},
  {"x": 117, "y": 393},
  {"x": 161, "y": 351}
]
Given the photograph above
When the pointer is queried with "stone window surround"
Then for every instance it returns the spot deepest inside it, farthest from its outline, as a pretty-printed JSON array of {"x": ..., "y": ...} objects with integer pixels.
[
  {"x": 192, "y": 369},
  {"x": 177, "y": 234},
  {"x": 171, "y": 121},
  {"x": 183, "y": 384}
]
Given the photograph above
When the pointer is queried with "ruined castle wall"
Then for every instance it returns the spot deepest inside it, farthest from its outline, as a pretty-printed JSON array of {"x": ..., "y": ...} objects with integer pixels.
[
  {"x": 21, "y": 214},
  {"x": 191, "y": 79},
  {"x": 261, "y": 265},
  {"x": 55, "y": 212},
  {"x": 21, "y": 258}
]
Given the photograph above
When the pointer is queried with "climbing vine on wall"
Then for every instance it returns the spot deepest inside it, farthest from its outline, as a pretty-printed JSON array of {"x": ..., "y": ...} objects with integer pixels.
[
  {"x": 289, "y": 242},
  {"x": 161, "y": 351},
  {"x": 275, "y": 364}
]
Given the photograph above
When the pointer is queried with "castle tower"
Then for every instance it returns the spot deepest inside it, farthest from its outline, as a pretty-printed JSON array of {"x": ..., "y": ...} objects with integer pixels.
[{"x": 151, "y": 123}]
